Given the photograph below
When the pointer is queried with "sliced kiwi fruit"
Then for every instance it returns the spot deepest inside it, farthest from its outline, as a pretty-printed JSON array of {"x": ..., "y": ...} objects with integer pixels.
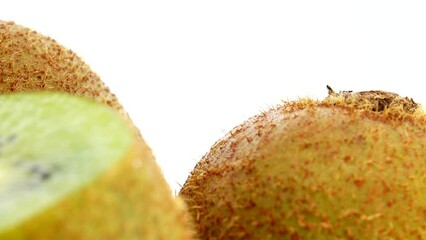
[
  {"x": 31, "y": 62},
  {"x": 71, "y": 169},
  {"x": 351, "y": 166}
]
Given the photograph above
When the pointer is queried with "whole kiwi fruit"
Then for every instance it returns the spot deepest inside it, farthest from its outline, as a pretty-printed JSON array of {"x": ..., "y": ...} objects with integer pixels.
[
  {"x": 31, "y": 62},
  {"x": 351, "y": 166}
]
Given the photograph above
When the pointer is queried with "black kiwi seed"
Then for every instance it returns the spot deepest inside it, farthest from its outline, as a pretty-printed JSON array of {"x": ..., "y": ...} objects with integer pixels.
[
  {"x": 11, "y": 138},
  {"x": 41, "y": 172}
]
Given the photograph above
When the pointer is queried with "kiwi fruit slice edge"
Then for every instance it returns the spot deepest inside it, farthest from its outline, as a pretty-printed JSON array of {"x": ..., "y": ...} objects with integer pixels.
[{"x": 51, "y": 145}]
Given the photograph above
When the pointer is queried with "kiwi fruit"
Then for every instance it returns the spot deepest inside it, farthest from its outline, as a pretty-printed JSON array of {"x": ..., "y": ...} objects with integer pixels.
[
  {"x": 31, "y": 62},
  {"x": 71, "y": 169},
  {"x": 351, "y": 166}
]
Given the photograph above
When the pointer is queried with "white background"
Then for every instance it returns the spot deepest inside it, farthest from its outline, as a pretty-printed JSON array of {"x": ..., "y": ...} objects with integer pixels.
[{"x": 189, "y": 71}]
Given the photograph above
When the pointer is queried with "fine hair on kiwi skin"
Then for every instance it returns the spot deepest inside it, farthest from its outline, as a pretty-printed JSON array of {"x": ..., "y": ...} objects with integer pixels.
[
  {"x": 346, "y": 167},
  {"x": 32, "y": 62}
]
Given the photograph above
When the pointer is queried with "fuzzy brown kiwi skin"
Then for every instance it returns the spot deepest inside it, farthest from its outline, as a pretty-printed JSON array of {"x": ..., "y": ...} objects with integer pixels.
[
  {"x": 30, "y": 62},
  {"x": 340, "y": 168}
]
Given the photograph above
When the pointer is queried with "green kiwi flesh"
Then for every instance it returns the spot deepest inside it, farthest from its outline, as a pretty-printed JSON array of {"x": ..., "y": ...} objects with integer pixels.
[{"x": 52, "y": 145}]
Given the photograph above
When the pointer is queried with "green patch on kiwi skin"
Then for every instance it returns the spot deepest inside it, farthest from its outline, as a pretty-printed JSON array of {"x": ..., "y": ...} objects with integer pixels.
[{"x": 52, "y": 144}]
